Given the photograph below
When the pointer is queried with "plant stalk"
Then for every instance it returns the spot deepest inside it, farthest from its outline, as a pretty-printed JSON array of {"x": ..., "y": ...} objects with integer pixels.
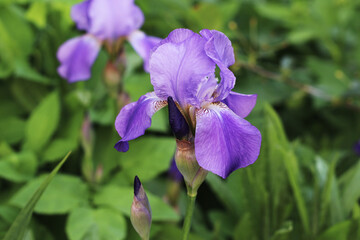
[{"x": 188, "y": 216}]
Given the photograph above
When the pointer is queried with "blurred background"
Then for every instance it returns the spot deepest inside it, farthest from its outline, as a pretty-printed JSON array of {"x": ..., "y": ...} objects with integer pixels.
[{"x": 301, "y": 57}]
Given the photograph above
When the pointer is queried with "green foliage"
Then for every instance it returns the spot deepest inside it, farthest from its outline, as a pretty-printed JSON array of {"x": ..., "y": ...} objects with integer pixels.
[
  {"x": 302, "y": 59},
  {"x": 18, "y": 228}
]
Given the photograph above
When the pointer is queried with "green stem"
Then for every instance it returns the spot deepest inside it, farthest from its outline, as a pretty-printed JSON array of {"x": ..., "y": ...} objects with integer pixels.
[{"x": 188, "y": 216}]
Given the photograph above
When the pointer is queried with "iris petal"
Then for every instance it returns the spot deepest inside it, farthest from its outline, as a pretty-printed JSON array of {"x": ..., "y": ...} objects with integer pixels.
[
  {"x": 77, "y": 56},
  {"x": 143, "y": 45},
  {"x": 224, "y": 141},
  {"x": 241, "y": 104},
  {"x": 111, "y": 19},
  {"x": 218, "y": 48},
  {"x": 135, "y": 118},
  {"x": 79, "y": 13},
  {"x": 178, "y": 66}
]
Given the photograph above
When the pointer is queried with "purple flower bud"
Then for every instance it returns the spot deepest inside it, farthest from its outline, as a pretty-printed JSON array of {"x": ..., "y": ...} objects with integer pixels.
[
  {"x": 174, "y": 172},
  {"x": 357, "y": 147},
  {"x": 177, "y": 121},
  {"x": 140, "y": 211}
]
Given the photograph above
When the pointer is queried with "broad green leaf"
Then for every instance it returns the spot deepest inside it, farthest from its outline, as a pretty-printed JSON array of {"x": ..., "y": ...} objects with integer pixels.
[
  {"x": 63, "y": 194},
  {"x": 28, "y": 93},
  {"x": 24, "y": 70},
  {"x": 18, "y": 167},
  {"x": 351, "y": 190},
  {"x": 57, "y": 148},
  {"x": 101, "y": 224},
  {"x": 148, "y": 157},
  {"x": 19, "y": 226},
  {"x": 37, "y": 14},
  {"x": 137, "y": 85},
  {"x": 11, "y": 129},
  {"x": 336, "y": 232},
  {"x": 16, "y": 38},
  {"x": 43, "y": 122},
  {"x": 172, "y": 232},
  {"x": 120, "y": 198}
]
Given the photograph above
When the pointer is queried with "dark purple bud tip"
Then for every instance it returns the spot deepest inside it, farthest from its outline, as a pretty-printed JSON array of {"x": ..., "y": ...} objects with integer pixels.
[
  {"x": 177, "y": 121},
  {"x": 357, "y": 148},
  {"x": 122, "y": 146},
  {"x": 137, "y": 185}
]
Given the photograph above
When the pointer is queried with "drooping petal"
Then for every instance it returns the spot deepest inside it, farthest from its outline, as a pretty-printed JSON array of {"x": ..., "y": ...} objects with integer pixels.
[
  {"x": 111, "y": 19},
  {"x": 135, "y": 118},
  {"x": 143, "y": 45},
  {"x": 241, "y": 104},
  {"x": 77, "y": 56},
  {"x": 178, "y": 66},
  {"x": 79, "y": 13},
  {"x": 218, "y": 48},
  {"x": 224, "y": 141}
]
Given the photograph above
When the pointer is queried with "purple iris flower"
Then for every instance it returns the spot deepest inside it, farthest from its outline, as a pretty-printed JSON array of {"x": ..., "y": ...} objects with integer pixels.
[
  {"x": 106, "y": 22},
  {"x": 182, "y": 66}
]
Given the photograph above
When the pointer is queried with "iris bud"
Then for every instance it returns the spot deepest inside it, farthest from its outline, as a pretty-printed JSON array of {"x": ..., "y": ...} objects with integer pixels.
[
  {"x": 140, "y": 211},
  {"x": 194, "y": 175},
  {"x": 178, "y": 123}
]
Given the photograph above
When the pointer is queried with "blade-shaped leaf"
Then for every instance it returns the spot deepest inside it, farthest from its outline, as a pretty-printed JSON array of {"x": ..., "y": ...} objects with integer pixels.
[{"x": 18, "y": 228}]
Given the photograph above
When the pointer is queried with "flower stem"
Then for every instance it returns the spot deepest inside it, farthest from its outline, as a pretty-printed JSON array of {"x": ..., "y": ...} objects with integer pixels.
[{"x": 188, "y": 216}]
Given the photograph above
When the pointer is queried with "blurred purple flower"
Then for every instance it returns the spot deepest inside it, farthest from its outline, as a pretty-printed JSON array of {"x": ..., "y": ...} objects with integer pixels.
[
  {"x": 183, "y": 66},
  {"x": 357, "y": 147},
  {"x": 105, "y": 21}
]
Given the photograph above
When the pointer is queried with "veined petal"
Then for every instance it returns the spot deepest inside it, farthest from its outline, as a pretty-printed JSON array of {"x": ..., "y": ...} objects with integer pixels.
[
  {"x": 79, "y": 13},
  {"x": 224, "y": 141},
  {"x": 178, "y": 66},
  {"x": 218, "y": 48},
  {"x": 111, "y": 19},
  {"x": 77, "y": 56},
  {"x": 135, "y": 118},
  {"x": 143, "y": 45},
  {"x": 241, "y": 104}
]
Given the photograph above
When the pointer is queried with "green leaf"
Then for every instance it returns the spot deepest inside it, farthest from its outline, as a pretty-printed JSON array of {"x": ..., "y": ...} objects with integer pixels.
[
  {"x": 351, "y": 190},
  {"x": 16, "y": 38},
  {"x": 37, "y": 14},
  {"x": 95, "y": 224},
  {"x": 277, "y": 142},
  {"x": 120, "y": 198},
  {"x": 18, "y": 167},
  {"x": 223, "y": 192},
  {"x": 57, "y": 148},
  {"x": 63, "y": 194},
  {"x": 243, "y": 229},
  {"x": 19, "y": 226},
  {"x": 43, "y": 122},
  {"x": 174, "y": 233},
  {"x": 336, "y": 232},
  {"x": 11, "y": 129},
  {"x": 148, "y": 157}
]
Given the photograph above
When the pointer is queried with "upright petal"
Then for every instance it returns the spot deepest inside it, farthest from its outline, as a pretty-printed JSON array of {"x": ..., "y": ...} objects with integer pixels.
[
  {"x": 77, "y": 56},
  {"x": 79, "y": 13},
  {"x": 135, "y": 118},
  {"x": 224, "y": 141},
  {"x": 111, "y": 19},
  {"x": 143, "y": 45},
  {"x": 178, "y": 66},
  {"x": 241, "y": 104},
  {"x": 218, "y": 48}
]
